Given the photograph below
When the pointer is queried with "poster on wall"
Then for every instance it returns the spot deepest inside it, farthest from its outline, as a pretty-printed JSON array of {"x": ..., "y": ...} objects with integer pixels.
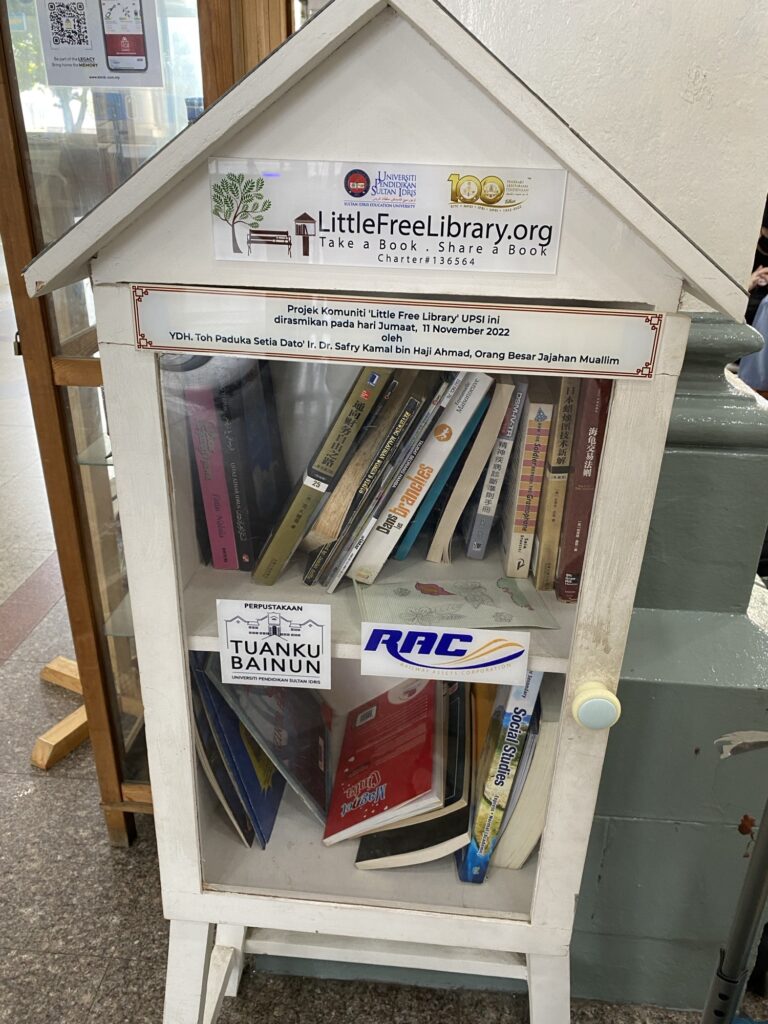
[
  {"x": 100, "y": 43},
  {"x": 401, "y": 216}
]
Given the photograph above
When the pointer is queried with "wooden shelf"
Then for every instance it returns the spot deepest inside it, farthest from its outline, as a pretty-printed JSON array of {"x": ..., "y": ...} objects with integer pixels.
[
  {"x": 297, "y": 864},
  {"x": 550, "y": 648}
]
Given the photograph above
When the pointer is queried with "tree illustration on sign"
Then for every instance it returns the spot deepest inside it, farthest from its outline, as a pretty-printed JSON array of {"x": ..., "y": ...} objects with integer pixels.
[{"x": 239, "y": 200}]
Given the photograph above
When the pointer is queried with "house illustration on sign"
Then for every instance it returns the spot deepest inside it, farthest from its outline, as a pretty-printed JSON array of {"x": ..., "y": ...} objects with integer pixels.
[
  {"x": 273, "y": 624},
  {"x": 305, "y": 229}
]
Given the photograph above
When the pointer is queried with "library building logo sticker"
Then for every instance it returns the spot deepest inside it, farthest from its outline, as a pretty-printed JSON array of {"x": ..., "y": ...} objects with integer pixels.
[
  {"x": 272, "y": 643},
  {"x": 486, "y": 655}
]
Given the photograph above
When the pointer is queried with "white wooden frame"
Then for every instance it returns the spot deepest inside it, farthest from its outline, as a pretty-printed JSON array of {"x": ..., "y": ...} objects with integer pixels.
[
  {"x": 535, "y": 949},
  {"x": 526, "y": 933}
]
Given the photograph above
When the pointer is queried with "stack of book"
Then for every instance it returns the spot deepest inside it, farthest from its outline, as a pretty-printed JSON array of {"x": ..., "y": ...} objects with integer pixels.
[
  {"x": 408, "y": 454},
  {"x": 426, "y": 770}
]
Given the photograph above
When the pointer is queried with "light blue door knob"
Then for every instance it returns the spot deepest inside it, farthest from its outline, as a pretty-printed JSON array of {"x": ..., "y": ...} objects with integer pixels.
[{"x": 595, "y": 706}]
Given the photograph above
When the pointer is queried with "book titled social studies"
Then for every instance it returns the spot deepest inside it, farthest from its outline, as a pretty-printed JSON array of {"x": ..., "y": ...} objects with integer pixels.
[
  {"x": 502, "y": 750},
  {"x": 396, "y": 517}
]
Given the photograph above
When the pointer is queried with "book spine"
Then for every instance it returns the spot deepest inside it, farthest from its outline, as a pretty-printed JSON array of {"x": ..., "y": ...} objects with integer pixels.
[
  {"x": 229, "y": 402},
  {"x": 480, "y": 529},
  {"x": 325, "y": 468},
  {"x": 209, "y": 460},
  {"x": 503, "y": 748},
  {"x": 358, "y": 526},
  {"x": 526, "y": 476},
  {"x": 587, "y": 449},
  {"x": 554, "y": 487},
  {"x": 415, "y": 484},
  {"x": 265, "y": 450}
]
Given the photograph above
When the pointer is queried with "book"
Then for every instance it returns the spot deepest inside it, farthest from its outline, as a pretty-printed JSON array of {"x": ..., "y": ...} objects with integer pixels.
[
  {"x": 292, "y": 727},
  {"x": 525, "y": 824},
  {"x": 269, "y": 474},
  {"x": 322, "y": 473},
  {"x": 374, "y": 434},
  {"x": 591, "y": 420},
  {"x": 380, "y": 469},
  {"x": 438, "y": 833},
  {"x": 482, "y": 446},
  {"x": 359, "y": 526},
  {"x": 526, "y": 472},
  {"x": 215, "y": 770},
  {"x": 497, "y": 767},
  {"x": 441, "y": 480},
  {"x": 259, "y": 785},
  {"x": 236, "y": 384},
  {"x": 546, "y": 543},
  {"x": 408, "y": 495},
  {"x": 392, "y": 760},
  {"x": 203, "y": 424},
  {"x": 481, "y": 511}
]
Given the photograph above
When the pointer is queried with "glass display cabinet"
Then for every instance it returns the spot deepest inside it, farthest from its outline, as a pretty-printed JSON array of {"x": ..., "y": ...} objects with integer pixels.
[{"x": 362, "y": 346}]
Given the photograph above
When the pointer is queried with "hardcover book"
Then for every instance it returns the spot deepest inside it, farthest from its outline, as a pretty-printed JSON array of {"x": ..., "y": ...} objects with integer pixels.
[
  {"x": 406, "y": 498},
  {"x": 392, "y": 761},
  {"x": 481, "y": 511},
  {"x": 526, "y": 473},
  {"x": 497, "y": 767},
  {"x": 550, "y": 519},
  {"x": 589, "y": 434},
  {"x": 322, "y": 473}
]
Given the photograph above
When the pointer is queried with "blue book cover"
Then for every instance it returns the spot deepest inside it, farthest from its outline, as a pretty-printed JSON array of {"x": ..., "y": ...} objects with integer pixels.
[
  {"x": 496, "y": 770},
  {"x": 259, "y": 785},
  {"x": 442, "y": 478}
]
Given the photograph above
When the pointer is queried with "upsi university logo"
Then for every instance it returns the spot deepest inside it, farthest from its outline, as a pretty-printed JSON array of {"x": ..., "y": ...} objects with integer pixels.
[
  {"x": 357, "y": 183},
  {"x": 443, "y": 652}
]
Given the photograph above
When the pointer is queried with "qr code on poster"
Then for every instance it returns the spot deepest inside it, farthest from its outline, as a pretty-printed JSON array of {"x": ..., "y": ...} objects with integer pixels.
[{"x": 68, "y": 24}]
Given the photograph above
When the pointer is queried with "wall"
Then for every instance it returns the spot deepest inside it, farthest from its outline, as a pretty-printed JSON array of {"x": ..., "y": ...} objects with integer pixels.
[{"x": 673, "y": 95}]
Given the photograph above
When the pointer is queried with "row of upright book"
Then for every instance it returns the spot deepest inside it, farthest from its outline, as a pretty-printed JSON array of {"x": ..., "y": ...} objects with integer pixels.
[
  {"x": 440, "y": 461},
  {"x": 426, "y": 769}
]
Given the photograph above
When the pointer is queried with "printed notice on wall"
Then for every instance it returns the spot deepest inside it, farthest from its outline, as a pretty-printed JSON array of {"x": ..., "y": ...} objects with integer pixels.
[
  {"x": 406, "y": 216},
  {"x": 482, "y": 655},
  {"x": 270, "y": 643},
  {"x": 100, "y": 43},
  {"x": 454, "y": 334}
]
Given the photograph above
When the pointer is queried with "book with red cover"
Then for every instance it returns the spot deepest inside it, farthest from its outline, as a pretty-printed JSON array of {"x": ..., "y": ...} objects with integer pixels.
[
  {"x": 589, "y": 434},
  {"x": 392, "y": 761}
]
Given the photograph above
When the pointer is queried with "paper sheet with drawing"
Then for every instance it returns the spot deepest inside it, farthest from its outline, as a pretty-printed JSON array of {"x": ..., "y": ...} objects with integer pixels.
[{"x": 501, "y": 602}]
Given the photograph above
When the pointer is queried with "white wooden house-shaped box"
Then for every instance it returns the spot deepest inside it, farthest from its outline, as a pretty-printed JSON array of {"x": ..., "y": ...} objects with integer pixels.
[{"x": 366, "y": 91}]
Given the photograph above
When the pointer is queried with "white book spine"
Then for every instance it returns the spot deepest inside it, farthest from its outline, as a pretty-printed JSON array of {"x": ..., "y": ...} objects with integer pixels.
[{"x": 415, "y": 484}]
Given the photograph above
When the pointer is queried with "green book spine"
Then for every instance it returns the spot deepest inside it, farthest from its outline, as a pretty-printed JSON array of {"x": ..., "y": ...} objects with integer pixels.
[{"x": 323, "y": 471}]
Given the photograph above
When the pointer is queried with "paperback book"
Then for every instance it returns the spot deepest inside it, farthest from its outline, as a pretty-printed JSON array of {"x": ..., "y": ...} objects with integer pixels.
[
  {"x": 497, "y": 768},
  {"x": 392, "y": 761},
  {"x": 444, "y": 830}
]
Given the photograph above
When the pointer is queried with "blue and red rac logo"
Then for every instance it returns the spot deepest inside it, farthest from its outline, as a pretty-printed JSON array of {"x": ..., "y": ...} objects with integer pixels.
[{"x": 357, "y": 183}]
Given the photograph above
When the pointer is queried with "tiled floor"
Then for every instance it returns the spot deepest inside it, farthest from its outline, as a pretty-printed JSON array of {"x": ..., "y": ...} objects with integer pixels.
[{"x": 82, "y": 937}]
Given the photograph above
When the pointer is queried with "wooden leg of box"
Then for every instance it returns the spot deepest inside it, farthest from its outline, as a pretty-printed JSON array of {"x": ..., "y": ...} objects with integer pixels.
[
  {"x": 62, "y": 738},
  {"x": 549, "y": 989},
  {"x": 233, "y": 936},
  {"x": 189, "y": 955}
]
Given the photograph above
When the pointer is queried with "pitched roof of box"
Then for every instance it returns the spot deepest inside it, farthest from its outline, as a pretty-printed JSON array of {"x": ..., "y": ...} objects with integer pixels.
[{"x": 67, "y": 259}]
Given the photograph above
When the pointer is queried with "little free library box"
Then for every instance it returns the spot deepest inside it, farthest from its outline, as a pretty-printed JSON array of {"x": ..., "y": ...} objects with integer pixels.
[{"x": 389, "y": 354}]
